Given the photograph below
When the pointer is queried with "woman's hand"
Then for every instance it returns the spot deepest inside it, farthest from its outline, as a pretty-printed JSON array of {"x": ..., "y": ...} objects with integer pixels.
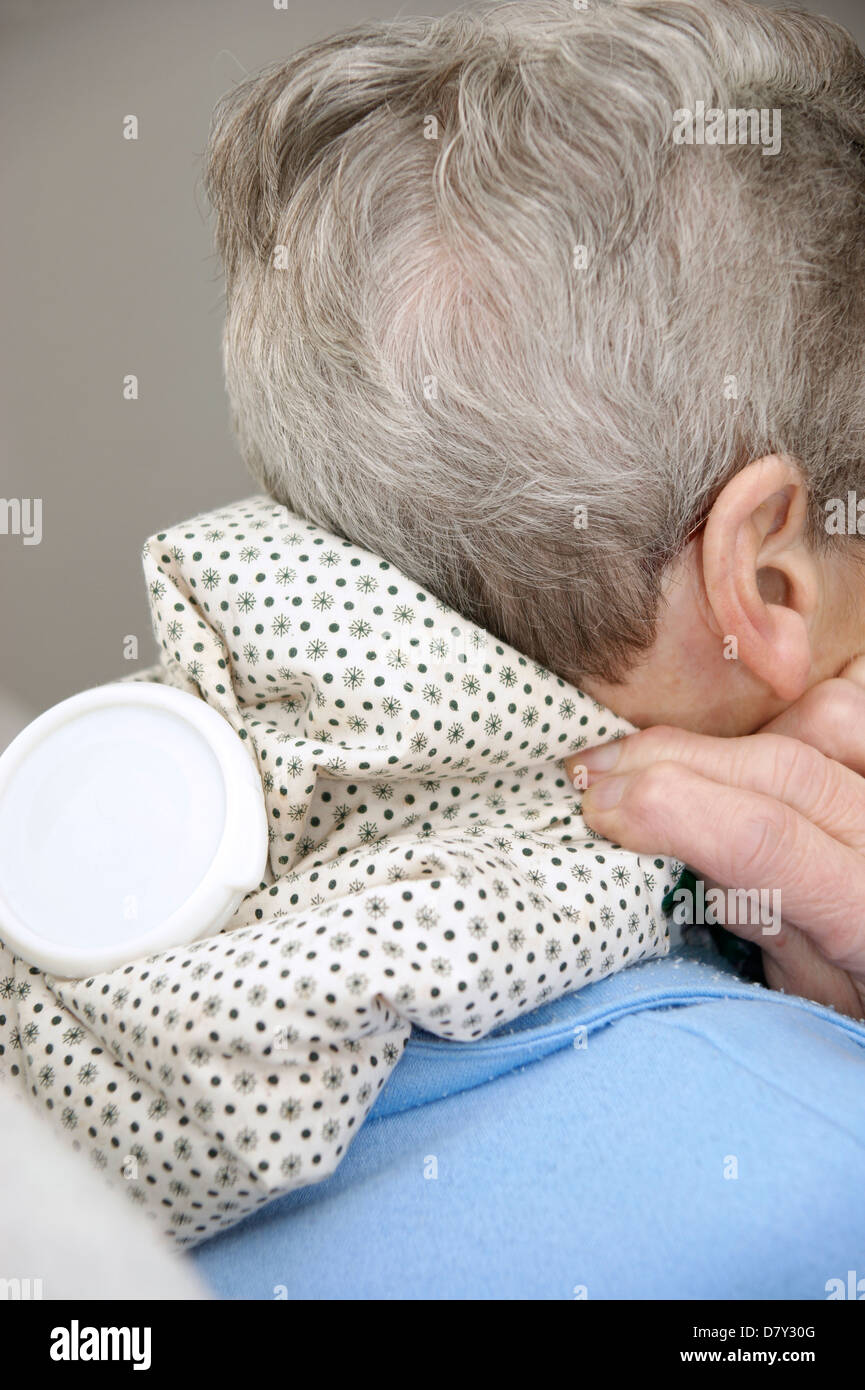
[{"x": 782, "y": 809}]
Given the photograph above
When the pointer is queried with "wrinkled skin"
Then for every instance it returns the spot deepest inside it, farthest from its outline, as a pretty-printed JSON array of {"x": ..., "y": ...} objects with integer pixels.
[{"x": 781, "y": 809}]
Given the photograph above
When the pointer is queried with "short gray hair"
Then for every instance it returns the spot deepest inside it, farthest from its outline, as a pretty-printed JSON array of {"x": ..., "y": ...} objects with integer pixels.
[{"x": 435, "y": 374}]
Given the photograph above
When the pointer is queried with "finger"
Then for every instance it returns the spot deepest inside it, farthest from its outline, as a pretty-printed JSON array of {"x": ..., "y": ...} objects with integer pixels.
[
  {"x": 831, "y": 717},
  {"x": 740, "y": 838},
  {"x": 818, "y": 788},
  {"x": 792, "y": 963}
]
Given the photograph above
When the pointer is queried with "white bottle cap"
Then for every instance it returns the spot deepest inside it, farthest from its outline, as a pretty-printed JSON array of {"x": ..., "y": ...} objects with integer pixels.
[{"x": 132, "y": 819}]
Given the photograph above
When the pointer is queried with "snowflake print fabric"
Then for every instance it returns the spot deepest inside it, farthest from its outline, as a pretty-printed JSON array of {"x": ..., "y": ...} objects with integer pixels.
[{"x": 428, "y": 865}]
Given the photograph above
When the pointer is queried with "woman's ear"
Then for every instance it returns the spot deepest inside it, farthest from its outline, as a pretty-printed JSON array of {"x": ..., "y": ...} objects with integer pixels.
[{"x": 760, "y": 578}]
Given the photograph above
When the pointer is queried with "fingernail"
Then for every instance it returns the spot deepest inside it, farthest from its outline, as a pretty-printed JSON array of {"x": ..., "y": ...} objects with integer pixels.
[
  {"x": 607, "y": 794},
  {"x": 601, "y": 758}
]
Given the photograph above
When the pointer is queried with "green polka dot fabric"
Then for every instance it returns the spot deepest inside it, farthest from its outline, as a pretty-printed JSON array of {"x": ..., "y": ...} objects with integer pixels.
[{"x": 428, "y": 866}]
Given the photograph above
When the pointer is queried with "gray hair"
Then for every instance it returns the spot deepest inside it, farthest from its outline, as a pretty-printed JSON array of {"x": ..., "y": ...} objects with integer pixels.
[{"x": 417, "y": 360}]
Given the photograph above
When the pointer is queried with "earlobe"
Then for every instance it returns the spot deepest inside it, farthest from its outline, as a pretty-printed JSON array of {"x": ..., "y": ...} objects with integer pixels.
[{"x": 759, "y": 575}]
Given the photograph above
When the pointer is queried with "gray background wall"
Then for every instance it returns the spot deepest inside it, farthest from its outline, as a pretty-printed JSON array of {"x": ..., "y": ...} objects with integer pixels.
[{"x": 107, "y": 270}]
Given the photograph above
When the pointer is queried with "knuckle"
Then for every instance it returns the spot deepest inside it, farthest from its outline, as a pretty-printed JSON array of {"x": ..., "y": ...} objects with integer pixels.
[
  {"x": 796, "y": 768},
  {"x": 833, "y": 705},
  {"x": 807, "y": 779},
  {"x": 766, "y": 841},
  {"x": 839, "y": 704},
  {"x": 659, "y": 737},
  {"x": 654, "y": 790}
]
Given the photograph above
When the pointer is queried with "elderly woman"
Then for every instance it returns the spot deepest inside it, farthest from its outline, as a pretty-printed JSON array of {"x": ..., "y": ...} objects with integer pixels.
[
  {"x": 545, "y": 337},
  {"x": 561, "y": 309}
]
